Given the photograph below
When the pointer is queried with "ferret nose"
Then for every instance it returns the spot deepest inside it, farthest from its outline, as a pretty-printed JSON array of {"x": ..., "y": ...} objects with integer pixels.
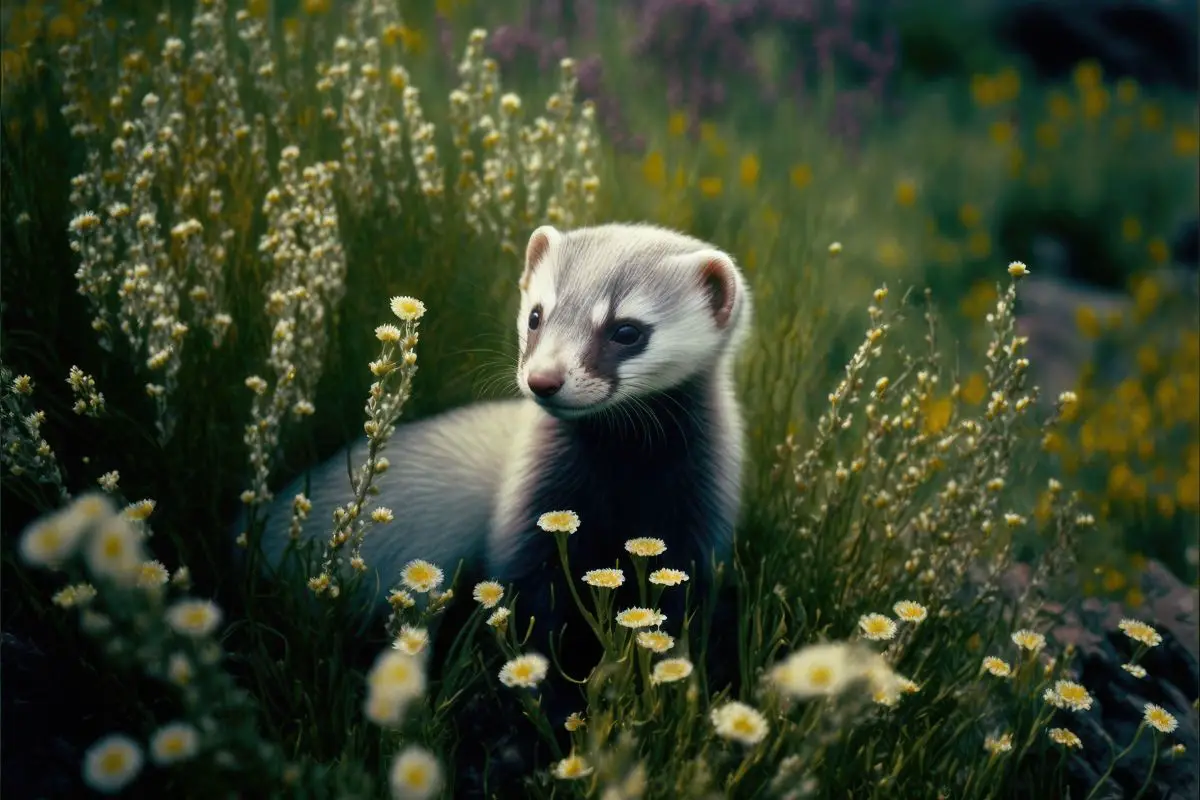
[{"x": 545, "y": 384}]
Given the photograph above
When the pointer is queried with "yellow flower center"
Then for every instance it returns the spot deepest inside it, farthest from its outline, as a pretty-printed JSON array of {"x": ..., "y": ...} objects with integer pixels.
[
  {"x": 416, "y": 776},
  {"x": 743, "y": 725},
  {"x": 1073, "y": 693},
  {"x": 112, "y": 762},
  {"x": 398, "y": 672},
  {"x": 820, "y": 676},
  {"x": 51, "y": 538}
]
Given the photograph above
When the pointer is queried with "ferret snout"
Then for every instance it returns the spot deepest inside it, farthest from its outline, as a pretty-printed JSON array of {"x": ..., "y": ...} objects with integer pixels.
[{"x": 545, "y": 383}]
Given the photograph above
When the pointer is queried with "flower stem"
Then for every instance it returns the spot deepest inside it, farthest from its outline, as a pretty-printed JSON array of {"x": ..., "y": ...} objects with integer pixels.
[
  {"x": 1150, "y": 773},
  {"x": 587, "y": 615},
  {"x": 1112, "y": 764}
]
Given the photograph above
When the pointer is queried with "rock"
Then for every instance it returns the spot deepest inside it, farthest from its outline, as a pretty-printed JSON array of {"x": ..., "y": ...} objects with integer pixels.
[
  {"x": 1047, "y": 309},
  {"x": 1172, "y": 681}
]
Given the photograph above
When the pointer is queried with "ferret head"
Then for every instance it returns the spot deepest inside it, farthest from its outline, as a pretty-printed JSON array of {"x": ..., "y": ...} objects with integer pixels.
[{"x": 617, "y": 312}]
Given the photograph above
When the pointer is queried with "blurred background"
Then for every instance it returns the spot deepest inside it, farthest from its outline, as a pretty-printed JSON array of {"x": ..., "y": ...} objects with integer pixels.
[{"x": 935, "y": 142}]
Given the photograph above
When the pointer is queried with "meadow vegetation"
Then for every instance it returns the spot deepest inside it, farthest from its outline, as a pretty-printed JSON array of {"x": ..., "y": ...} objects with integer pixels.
[{"x": 235, "y": 239}]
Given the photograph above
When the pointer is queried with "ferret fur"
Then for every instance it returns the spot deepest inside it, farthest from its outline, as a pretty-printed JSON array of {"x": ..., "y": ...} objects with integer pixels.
[{"x": 642, "y": 439}]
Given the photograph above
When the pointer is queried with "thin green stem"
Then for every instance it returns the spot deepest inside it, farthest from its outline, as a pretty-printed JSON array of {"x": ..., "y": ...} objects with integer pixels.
[
  {"x": 587, "y": 615},
  {"x": 1150, "y": 772},
  {"x": 1112, "y": 764}
]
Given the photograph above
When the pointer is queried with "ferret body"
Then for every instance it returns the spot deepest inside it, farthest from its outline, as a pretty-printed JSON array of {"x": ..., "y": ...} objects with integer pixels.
[{"x": 627, "y": 337}]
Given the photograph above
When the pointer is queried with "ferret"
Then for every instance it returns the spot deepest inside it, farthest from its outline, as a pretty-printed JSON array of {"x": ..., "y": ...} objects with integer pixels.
[{"x": 628, "y": 416}]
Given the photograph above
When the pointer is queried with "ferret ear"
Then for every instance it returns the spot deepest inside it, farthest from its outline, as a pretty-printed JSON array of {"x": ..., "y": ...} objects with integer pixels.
[
  {"x": 722, "y": 286},
  {"x": 540, "y": 242}
]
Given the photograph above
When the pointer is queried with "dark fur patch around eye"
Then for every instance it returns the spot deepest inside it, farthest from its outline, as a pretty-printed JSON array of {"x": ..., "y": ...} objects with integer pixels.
[{"x": 603, "y": 356}]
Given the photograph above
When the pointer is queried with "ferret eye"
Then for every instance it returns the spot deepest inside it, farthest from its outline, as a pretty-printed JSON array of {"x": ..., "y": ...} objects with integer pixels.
[
  {"x": 626, "y": 335},
  {"x": 535, "y": 318}
]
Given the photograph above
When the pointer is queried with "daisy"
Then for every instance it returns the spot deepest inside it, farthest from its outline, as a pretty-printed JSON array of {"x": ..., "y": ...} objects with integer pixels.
[
  {"x": 670, "y": 670},
  {"x": 655, "y": 641},
  {"x": 525, "y": 671},
  {"x": 175, "y": 742},
  {"x": 640, "y": 618},
  {"x": 114, "y": 551},
  {"x": 1068, "y": 695},
  {"x": 195, "y": 618},
  {"x": 1160, "y": 719},
  {"x": 415, "y": 774},
  {"x": 739, "y": 722},
  {"x": 1065, "y": 737},
  {"x": 908, "y": 611},
  {"x": 559, "y": 522},
  {"x": 409, "y": 309},
  {"x": 50, "y": 541},
  {"x": 112, "y": 763},
  {"x": 877, "y": 627},
  {"x": 398, "y": 598},
  {"x": 604, "y": 578},
  {"x": 388, "y": 333},
  {"x": 998, "y": 667},
  {"x": 668, "y": 577},
  {"x": 411, "y": 640},
  {"x": 572, "y": 767},
  {"x": 77, "y": 594},
  {"x": 397, "y": 673},
  {"x": 152, "y": 574},
  {"x": 818, "y": 669},
  {"x": 646, "y": 546},
  {"x": 1140, "y": 632},
  {"x": 421, "y": 576},
  {"x": 488, "y": 593},
  {"x": 140, "y": 510},
  {"x": 1029, "y": 640}
]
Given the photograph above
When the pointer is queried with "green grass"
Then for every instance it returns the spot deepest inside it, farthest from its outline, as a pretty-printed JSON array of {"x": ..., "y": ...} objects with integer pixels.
[{"x": 819, "y": 545}]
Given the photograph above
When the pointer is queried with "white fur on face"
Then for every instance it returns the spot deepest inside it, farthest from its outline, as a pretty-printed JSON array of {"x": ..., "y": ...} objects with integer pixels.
[
  {"x": 591, "y": 278},
  {"x": 685, "y": 339}
]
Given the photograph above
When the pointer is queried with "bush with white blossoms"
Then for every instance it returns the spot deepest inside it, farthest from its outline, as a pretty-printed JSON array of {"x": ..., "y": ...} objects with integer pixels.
[{"x": 154, "y": 628}]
